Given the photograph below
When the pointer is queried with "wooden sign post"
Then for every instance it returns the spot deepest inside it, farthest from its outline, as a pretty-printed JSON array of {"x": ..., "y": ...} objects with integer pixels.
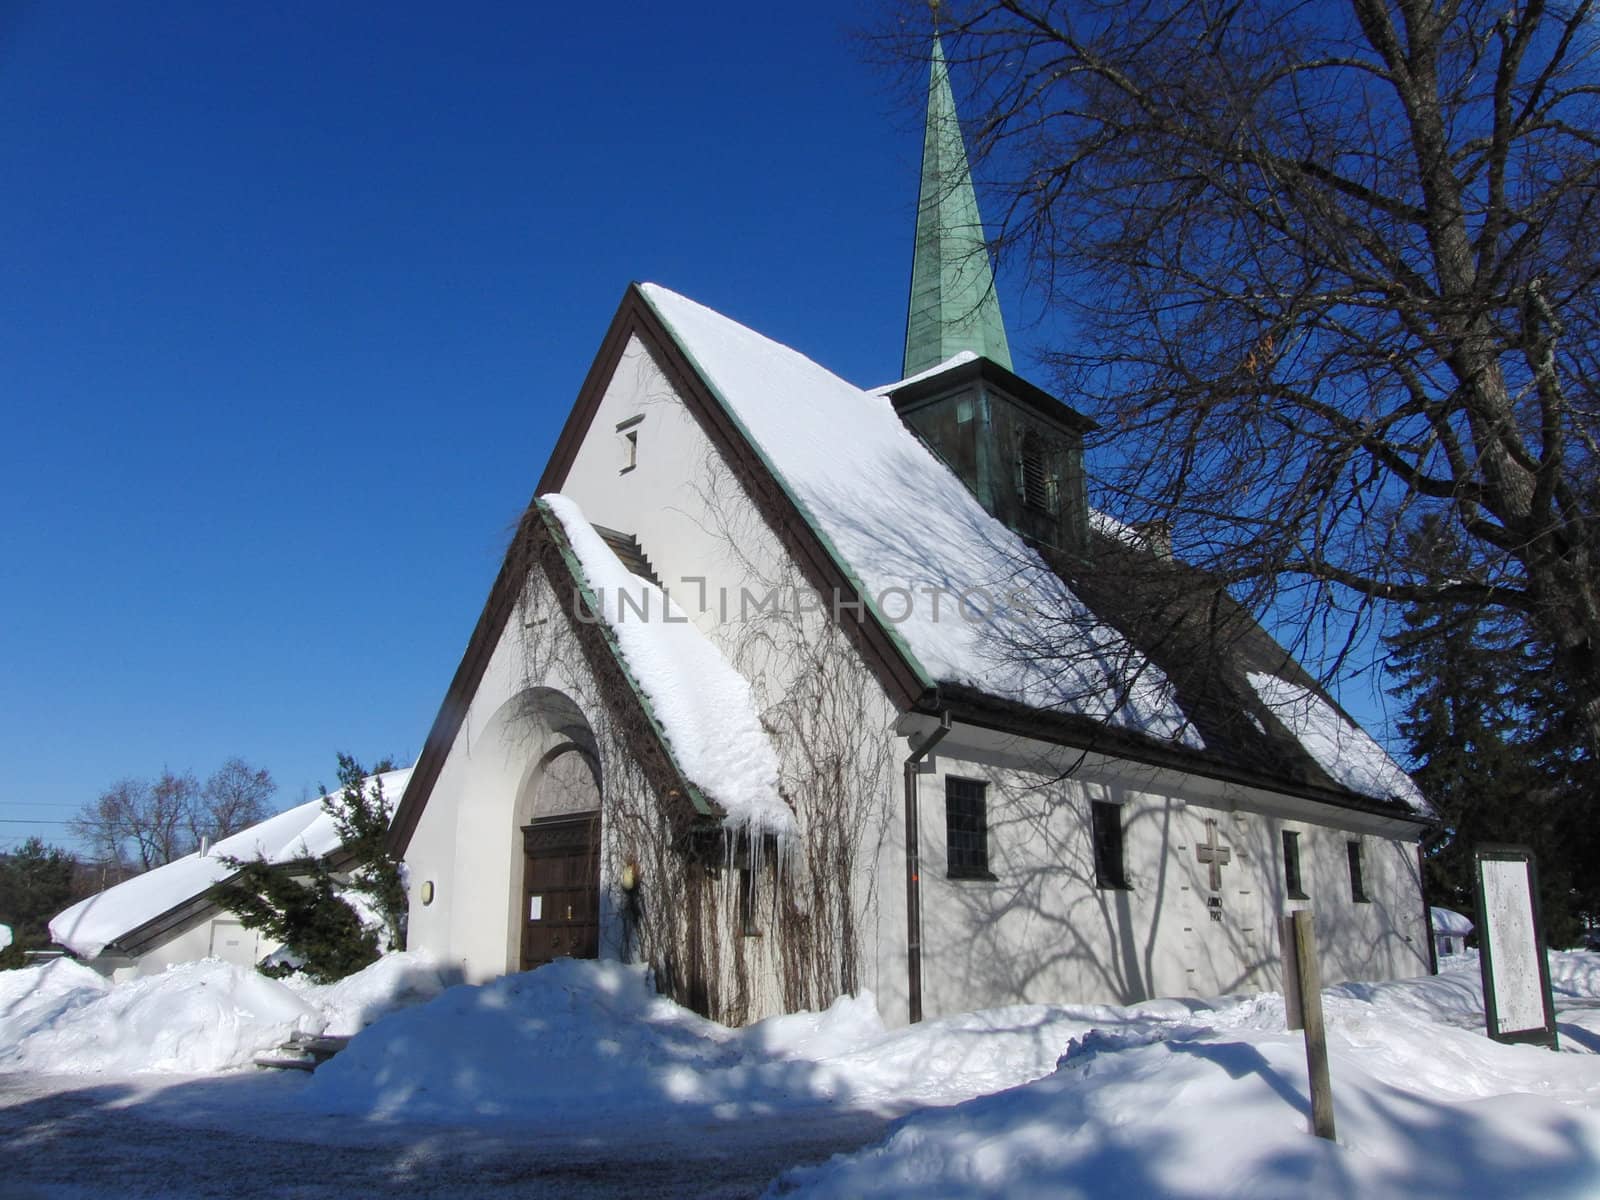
[{"x": 1302, "y": 998}]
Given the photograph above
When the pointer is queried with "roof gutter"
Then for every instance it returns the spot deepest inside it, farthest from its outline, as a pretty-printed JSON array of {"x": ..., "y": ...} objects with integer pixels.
[{"x": 919, "y": 751}]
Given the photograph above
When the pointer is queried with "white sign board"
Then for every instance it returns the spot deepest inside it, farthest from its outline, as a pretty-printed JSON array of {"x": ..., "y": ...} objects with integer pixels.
[{"x": 1515, "y": 980}]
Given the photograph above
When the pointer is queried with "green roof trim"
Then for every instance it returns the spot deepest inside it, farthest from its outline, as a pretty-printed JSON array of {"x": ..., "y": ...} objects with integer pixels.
[
  {"x": 953, "y": 305},
  {"x": 702, "y": 804}
]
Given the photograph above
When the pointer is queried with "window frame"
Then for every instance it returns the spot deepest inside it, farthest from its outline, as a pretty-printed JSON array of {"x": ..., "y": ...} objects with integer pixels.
[
  {"x": 1110, "y": 871},
  {"x": 744, "y": 880},
  {"x": 966, "y": 870},
  {"x": 628, "y": 435},
  {"x": 1358, "y": 873},
  {"x": 1293, "y": 877}
]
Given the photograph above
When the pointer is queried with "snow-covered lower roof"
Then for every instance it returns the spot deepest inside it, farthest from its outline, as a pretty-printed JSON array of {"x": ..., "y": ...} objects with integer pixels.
[
  {"x": 1447, "y": 920},
  {"x": 1344, "y": 751},
  {"x": 703, "y": 705},
  {"x": 969, "y": 601},
  {"x": 303, "y": 832}
]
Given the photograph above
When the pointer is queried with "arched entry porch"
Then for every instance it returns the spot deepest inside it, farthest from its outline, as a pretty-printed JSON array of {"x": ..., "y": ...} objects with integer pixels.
[{"x": 535, "y": 766}]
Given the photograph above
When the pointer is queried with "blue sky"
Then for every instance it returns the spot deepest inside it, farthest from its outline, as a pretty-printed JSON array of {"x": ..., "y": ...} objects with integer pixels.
[{"x": 295, "y": 297}]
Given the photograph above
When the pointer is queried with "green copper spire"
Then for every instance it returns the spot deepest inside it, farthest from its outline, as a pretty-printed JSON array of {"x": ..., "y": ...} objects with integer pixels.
[{"x": 953, "y": 302}]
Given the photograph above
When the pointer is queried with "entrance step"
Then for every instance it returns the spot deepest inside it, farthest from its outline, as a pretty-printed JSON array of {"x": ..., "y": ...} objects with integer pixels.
[{"x": 302, "y": 1052}]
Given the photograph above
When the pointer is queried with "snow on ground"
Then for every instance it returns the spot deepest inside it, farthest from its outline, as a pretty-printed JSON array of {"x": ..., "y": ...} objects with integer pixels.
[
  {"x": 1216, "y": 1105},
  {"x": 909, "y": 531},
  {"x": 512, "y": 1048},
  {"x": 34, "y": 999},
  {"x": 394, "y": 982},
  {"x": 1170, "y": 1099},
  {"x": 193, "y": 1018},
  {"x": 705, "y": 706}
]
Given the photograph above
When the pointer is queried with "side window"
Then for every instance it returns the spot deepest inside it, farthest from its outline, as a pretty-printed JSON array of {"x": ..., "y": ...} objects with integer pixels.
[
  {"x": 1291, "y": 865},
  {"x": 1105, "y": 820},
  {"x": 746, "y": 883},
  {"x": 1358, "y": 887},
  {"x": 966, "y": 828}
]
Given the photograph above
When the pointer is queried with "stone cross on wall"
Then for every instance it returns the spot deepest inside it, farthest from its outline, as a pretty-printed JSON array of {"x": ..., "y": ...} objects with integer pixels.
[{"x": 1213, "y": 854}]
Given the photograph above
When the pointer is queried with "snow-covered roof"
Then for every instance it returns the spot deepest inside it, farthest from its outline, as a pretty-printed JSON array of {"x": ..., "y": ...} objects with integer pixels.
[
  {"x": 704, "y": 706},
  {"x": 908, "y": 530},
  {"x": 955, "y": 360},
  {"x": 1447, "y": 920},
  {"x": 1345, "y": 751},
  {"x": 303, "y": 832}
]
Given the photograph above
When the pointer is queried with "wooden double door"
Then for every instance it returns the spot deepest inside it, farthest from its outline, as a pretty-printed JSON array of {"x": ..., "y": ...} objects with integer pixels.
[{"x": 561, "y": 889}]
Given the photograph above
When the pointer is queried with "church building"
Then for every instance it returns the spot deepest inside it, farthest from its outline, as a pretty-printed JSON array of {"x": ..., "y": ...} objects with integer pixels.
[{"x": 788, "y": 689}]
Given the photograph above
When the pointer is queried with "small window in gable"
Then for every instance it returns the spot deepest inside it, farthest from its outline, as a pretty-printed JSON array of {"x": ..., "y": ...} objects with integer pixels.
[
  {"x": 1291, "y": 865},
  {"x": 1105, "y": 820},
  {"x": 628, "y": 443},
  {"x": 966, "y": 828},
  {"x": 1358, "y": 887}
]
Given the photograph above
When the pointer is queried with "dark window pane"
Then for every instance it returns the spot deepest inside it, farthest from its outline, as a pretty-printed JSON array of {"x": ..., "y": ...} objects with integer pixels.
[
  {"x": 1106, "y": 821},
  {"x": 1291, "y": 864},
  {"x": 966, "y": 827},
  {"x": 1358, "y": 888}
]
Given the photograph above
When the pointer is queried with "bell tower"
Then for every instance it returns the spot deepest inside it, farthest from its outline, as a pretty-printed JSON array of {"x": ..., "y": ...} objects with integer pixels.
[{"x": 1018, "y": 448}]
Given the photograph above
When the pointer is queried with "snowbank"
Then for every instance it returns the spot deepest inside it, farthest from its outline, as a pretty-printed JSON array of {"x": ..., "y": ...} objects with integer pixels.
[
  {"x": 907, "y": 529},
  {"x": 5, "y": 936},
  {"x": 194, "y": 1018},
  {"x": 394, "y": 982},
  {"x": 513, "y": 1049},
  {"x": 569, "y": 1041},
  {"x": 35, "y": 998},
  {"x": 705, "y": 706},
  {"x": 305, "y": 831},
  {"x": 1216, "y": 1105},
  {"x": 1168, "y": 1100}
]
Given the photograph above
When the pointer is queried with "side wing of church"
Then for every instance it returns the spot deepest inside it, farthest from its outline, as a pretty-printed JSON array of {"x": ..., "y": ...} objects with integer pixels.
[{"x": 790, "y": 689}]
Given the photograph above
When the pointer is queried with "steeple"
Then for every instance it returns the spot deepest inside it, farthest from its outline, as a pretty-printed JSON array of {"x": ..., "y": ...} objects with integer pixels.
[{"x": 953, "y": 302}]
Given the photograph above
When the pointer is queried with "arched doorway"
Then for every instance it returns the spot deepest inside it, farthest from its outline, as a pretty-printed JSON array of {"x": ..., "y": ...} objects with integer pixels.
[{"x": 560, "y": 915}]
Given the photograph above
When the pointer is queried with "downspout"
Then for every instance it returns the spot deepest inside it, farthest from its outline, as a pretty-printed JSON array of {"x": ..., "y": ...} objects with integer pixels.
[
  {"x": 1427, "y": 912},
  {"x": 914, "y": 868}
]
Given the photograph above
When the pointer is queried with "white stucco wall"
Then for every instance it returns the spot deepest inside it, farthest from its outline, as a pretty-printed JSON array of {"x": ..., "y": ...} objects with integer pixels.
[
  {"x": 215, "y": 934},
  {"x": 1043, "y": 930}
]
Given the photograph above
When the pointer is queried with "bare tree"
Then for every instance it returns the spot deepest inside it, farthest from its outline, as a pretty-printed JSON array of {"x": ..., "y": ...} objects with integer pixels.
[
  {"x": 148, "y": 823},
  {"x": 1331, "y": 269},
  {"x": 233, "y": 798}
]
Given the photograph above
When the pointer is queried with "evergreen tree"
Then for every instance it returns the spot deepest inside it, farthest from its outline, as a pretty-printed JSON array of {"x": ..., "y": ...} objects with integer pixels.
[
  {"x": 1493, "y": 748},
  {"x": 304, "y": 905},
  {"x": 35, "y": 884},
  {"x": 304, "y": 911},
  {"x": 361, "y": 814}
]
